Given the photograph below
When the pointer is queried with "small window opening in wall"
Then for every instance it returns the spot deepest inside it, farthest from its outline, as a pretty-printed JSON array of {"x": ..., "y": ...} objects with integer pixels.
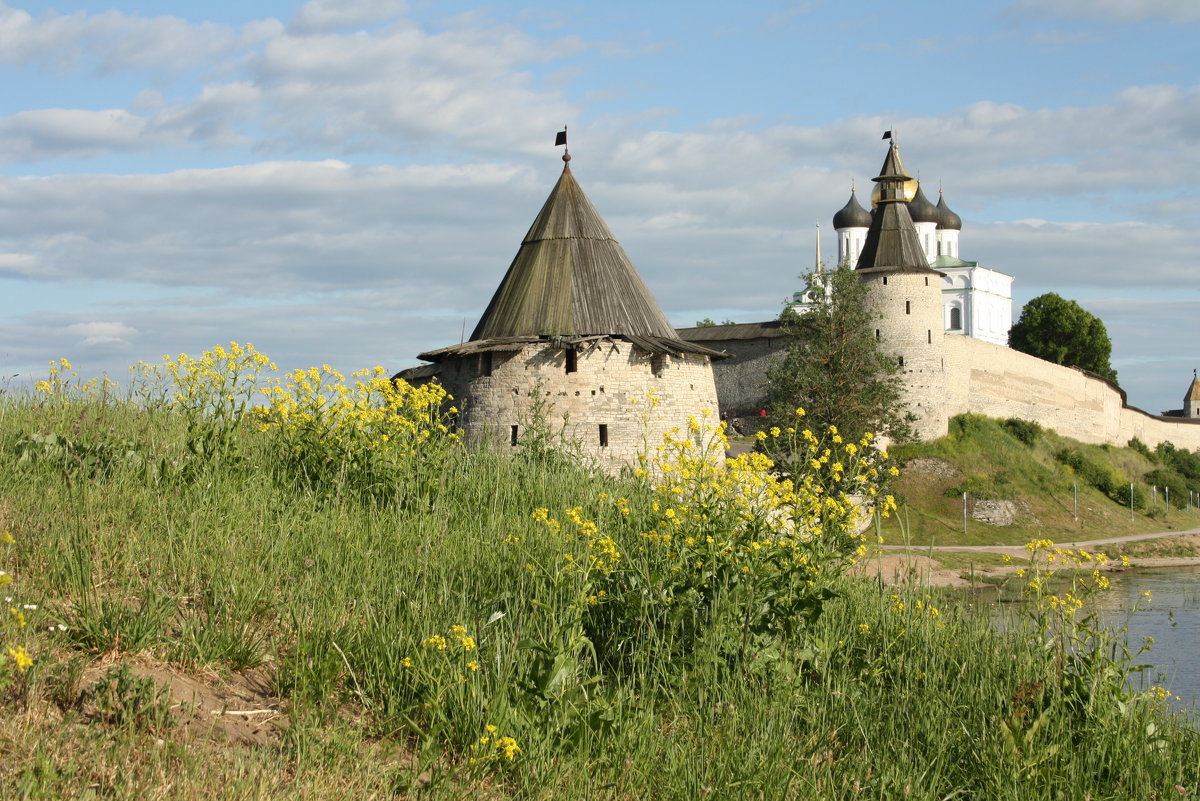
[
  {"x": 885, "y": 280},
  {"x": 908, "y": 307},
  {"x": 604, "y": 435},
  {"x": 877, "y": 333},
  {"x": 487, "y": 362},
  {"x": 572, "y": 360},
  {"x": 926, "y": 282},
  {"x": 513, "y": 438},
  {"x": 929, "y": 335},
  {"x": 515, "y": 428}
]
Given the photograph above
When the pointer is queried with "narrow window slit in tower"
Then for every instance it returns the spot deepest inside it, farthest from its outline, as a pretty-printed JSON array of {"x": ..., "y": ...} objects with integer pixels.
[
  {"x": 877, "y": 333},
  {"x": 604, "y": 435},
  {"x": 929, "y": 335},
  {"x": 572, "y": 360},
  {"x": 908, "y": 307},
  {"x": 513, "y": 439},
  {"x": 487, "y": 362},
  {"x": 901, "y": 364},
  {"x": 885, "y": 280}
]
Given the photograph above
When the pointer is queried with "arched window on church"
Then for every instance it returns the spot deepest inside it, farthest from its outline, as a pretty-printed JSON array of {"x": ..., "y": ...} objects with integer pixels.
[{"x": 955, "y": 318}]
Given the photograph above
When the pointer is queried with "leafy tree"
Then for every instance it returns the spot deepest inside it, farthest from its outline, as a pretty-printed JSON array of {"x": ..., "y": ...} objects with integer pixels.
[
  {"x": 1063, "y": 332},
  {"x": 708, "y": 322},
  {"x": 833, "y": 368}
]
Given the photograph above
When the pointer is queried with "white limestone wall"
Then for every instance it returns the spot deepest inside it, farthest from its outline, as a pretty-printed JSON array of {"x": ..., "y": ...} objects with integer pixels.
[
  {"x": 927, "y": 234},
  {"x": 609, "y": 388},
  {"x": 850, "y": 244},
  {"x": 996, "y": 381},
  {"x": 947, "y": 242}
]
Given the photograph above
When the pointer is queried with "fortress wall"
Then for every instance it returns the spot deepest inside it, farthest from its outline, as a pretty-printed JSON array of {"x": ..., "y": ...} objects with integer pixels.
[
  {"x": 1153, "y": 430},
  {"x": 609, "y": 388},
  {"x": 742, "y": 380},
  {"x": 996, "y": 381}
]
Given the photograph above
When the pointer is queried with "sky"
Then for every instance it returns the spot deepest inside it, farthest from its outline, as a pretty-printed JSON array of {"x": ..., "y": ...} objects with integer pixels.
[{"x": 345, "y": 182}]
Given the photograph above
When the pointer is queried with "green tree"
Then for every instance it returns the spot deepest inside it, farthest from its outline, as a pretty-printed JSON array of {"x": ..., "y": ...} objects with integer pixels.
[
  {"x": 833, "y": 368},
  {"x": 1063, "y": 332}
]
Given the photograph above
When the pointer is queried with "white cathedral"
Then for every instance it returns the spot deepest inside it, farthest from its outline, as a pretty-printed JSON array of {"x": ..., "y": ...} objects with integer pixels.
[{"x": 976, "y": 301}]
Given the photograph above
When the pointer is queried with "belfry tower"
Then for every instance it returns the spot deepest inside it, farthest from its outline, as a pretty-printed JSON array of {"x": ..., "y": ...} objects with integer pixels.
[{"x": 906, "y": 295}]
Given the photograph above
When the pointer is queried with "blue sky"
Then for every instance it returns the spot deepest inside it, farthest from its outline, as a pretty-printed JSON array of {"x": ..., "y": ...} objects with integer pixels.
[{"x": 346, "y": 182}]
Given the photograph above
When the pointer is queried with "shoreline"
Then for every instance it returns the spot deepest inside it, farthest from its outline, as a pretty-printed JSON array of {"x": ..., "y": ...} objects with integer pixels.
[{"x": 900, "y": 564}]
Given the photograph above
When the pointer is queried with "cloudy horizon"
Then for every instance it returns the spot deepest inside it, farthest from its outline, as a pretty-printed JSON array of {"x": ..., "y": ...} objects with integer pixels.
[{"x": 346, "y": 182}]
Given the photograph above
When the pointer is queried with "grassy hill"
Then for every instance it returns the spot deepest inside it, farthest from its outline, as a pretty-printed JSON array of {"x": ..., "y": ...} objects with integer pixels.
[
  {"x": 337, "y": 599},
  {"x": 1037, "y": 471}
]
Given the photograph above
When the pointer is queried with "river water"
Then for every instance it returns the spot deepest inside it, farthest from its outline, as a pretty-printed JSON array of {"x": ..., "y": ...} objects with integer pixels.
[{"x": 1171, "y": 616}]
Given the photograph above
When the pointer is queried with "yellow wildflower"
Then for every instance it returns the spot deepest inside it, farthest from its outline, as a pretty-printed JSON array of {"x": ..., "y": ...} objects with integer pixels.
[{"x": 21, "y": 657}]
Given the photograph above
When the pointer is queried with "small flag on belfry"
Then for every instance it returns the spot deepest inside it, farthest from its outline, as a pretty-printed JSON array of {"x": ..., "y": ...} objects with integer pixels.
[
  {"x": 560, "y": 138},
  {"x": 887, "y": 134}
]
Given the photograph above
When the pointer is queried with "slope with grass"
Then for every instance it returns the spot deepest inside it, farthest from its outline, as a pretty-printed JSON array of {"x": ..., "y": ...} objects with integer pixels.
[
  {"x": 334, "y": 598},
  {"x": 1036, "y": 471}
]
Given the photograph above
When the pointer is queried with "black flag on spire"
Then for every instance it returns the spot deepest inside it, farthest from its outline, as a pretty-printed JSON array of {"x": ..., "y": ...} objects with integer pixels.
[
  {"x": 887, "y": 134},
  {"x": 560, "y": 139}
]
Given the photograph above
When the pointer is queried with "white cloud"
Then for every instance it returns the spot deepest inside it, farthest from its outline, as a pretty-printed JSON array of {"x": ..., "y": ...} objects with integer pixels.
[
  {"x": 102, "y": 333},
  {"x": 112, "y": 40},
  {"x": 325, "y": 16},
  {"x": 1121, "y": 10},
  {"x": 404, "y": 88}
]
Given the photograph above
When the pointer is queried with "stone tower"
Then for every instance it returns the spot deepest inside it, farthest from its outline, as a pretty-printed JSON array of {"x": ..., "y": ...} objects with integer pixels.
[
  {"x": 906, "y": 295},
  {"x": 1191, "y": 400},
  {"x": 573, "y": 336}
]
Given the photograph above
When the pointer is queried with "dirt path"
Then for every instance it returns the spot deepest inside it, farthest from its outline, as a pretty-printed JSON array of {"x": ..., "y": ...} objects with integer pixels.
[
  {"x": 899, "y": 564},
  {"x": 1012, "y": 549}
]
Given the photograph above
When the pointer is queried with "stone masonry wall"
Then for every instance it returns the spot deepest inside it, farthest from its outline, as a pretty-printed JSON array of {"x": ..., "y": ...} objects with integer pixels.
[
  {"x": 599, "y": 411},
  {"x": 996, "y": 381},
  {"x": 908, "y": 322},
  {"x": 742, "y": 380}
]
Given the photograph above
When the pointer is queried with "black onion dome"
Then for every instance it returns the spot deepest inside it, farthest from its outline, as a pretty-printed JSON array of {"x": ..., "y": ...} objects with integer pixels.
[
  {"x": 921, "y": 210},
  {"x": 852, "y": 215},
  {"x": 947, "y": 220}
]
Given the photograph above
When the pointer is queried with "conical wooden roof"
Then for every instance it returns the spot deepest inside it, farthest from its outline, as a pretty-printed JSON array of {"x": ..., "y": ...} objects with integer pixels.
[
  {"x": 892, "y": 244},
  {"x": 571, "y": 277},
  {"x": 1193, "y": 393}
]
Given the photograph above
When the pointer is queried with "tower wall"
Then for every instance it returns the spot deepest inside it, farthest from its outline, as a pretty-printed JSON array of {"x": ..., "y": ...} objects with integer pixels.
[
  {"x": 908, "y": 315},
  {"x": 601, "y": 410}
]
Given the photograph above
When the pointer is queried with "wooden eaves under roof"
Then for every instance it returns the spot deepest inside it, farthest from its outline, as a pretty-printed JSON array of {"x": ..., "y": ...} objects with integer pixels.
[{"x": 572, "y": 283}]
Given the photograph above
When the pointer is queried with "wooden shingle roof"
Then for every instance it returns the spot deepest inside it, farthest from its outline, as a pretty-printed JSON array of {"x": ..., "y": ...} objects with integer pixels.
[
  {"x": 892, "y": 244},
  {"x": 571, "y": 277},
  {"x": 1193, "y": 393}
]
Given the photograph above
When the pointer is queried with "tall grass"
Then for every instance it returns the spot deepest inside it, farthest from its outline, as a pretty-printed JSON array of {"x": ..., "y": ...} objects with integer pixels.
[{"x": 523, "y": 627}]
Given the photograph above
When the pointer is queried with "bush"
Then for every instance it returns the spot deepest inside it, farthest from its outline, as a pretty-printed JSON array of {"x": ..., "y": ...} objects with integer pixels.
[
  {"x": 1169, "y": 479},
  {"x": 1025, "y": 430},
  {"x": 1106, "y": 479},
  {"x": 1141, "y": 447}
]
